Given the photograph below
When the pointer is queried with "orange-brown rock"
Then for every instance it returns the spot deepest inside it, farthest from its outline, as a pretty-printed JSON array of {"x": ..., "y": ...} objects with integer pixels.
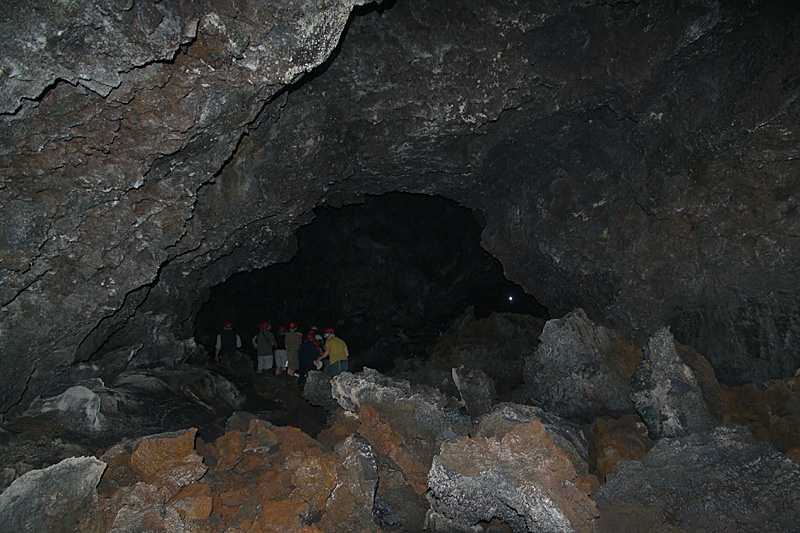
[
  {"x": 193, "y": 502},
  {"x": 613, "y": 440},
  {"x": 342, "y": 425},
  {"x": 169, "y": 460},
  {"x": 385, "y": 440},
  {"x": 229, "y": 447},
  {"x": 771, "y": 411}
]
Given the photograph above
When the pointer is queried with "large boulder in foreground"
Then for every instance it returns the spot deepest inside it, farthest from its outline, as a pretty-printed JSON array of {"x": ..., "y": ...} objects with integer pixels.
[
  {"x": 719, "y": 480},
  {"x": 52, "y": 499},
  {"x": 580, "y": 370},
  {"x": 522, "y": 479},
  {"x": 666, "y": 392}
]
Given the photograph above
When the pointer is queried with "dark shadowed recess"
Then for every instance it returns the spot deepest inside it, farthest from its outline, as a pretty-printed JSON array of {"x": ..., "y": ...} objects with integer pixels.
[{"x": 389, "y": 275}]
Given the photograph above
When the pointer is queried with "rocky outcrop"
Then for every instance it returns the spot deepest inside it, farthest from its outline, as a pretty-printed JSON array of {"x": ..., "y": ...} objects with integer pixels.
[
  {"x": 111, "y": 138},
  {"x": 580, "y": 370},
  {"x": 719, "y": 480},
  {"x": 643, "y": 172},
  {"x": 666, "y": 393},
  {"x": 522, "y": 479},
  {"x": 54, "y": 499}
]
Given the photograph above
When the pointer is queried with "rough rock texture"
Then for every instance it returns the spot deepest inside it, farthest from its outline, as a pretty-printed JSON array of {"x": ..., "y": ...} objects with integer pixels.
[
  {"x": 108, "y": 139},
  {"x": 53, "y": 499},
  {"x": 721, "y": 480},
  {"x": 266, "y": 478},
  {"x": 771, "y": 411},
  {"x": 634, "y": 159},
  {"x": 424, "y": 414},
  {"x": 523, "y": 479},
  {"x": 476, "y": 389},
  {"x": 580, "y": 370},
  {"x": 138, "y": 402},
  {"x": 666, "y": 393},
  {"x": 615, "y": 440},
  {"x": 569, "y": 437}
]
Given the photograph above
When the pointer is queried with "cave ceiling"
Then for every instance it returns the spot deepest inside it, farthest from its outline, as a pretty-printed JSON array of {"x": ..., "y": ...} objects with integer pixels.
[{"x": 639, "y": 160}]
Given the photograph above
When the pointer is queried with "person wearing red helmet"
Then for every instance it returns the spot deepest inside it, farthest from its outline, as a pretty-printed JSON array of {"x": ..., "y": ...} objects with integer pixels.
[
  {"x": 337, "y": 353},
  {"x": 264, "y": 343},
  {"x": 280, "y": 352},
  {"x": 307, "y": 354},
  {"x": 228, "y": 341},
  {"x": 293, "y": 340}
]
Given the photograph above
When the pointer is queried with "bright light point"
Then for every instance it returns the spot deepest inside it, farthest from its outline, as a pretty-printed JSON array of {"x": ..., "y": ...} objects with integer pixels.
[{"x": 510, "y": 298}]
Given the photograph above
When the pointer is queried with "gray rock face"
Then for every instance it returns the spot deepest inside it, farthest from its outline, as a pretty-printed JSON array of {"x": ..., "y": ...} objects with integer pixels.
[
  {"x": 720, "y": 480},
  {"x": 577, "y": 371},
  {"x": 476, "y": 389},
  {"x": 568, "y": 436},
  {"x": 149, "y": 151},
  {"x": 423, "y": 413},
  {"x": 521, "y": 478},
  {"x": 666, "y": 393},
  {"x": 53, "y": 499},
  {"x": 317, "y": 391}
]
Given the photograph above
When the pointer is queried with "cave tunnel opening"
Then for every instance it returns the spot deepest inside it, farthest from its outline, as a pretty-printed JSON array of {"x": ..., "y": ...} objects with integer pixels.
[{"x": 390, "y": 275}]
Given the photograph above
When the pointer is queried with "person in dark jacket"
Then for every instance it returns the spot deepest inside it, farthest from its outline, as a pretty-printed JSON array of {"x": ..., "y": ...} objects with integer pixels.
[
  {"x": 307, "y": 354},
  {"x": 227, "y": 342}
]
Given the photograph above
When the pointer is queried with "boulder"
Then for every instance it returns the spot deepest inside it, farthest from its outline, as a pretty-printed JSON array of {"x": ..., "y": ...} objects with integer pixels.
[
  {"x": 716, "y": 480},
  {"x": 566, "y": 435},
  {"x": 580, "y": 370},
  {"x": 317, "y": 391},
  {"x": 476, "y": 389},
  {"x": 422, "y": 414},
  {"x": 666, "y": 393},
  {"x": 523, "y": 479},
  {"x": 53, "y": 499}
]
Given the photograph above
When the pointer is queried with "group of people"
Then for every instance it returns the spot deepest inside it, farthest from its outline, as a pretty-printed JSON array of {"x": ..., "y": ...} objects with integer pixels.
[{"x": 292, "y": 352}]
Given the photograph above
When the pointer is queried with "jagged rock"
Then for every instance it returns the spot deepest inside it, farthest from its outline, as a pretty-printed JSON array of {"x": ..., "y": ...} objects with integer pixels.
[
  {"x": 405, "y": 427},
  {"x": 718, "y": 480},
  {"x": 168, "y": 460},
  {"x": 666, "y": 393},
  {"x": 53, "y": 499},
  {"x": 522, "y": 479},
  {"x": 476, "y": 389},
  {"x": 351, "y": 503},
  {"x": 580, "y": 370},
  {"x": 420, "y": 414},
  {"x": 566, "y": 435},
  {"x": 317, "y": 391},
  {"x": 615, "y": 440}
]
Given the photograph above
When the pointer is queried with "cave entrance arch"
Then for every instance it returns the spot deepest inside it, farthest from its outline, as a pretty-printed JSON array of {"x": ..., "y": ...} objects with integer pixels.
[{"x": 390, "y": 274}]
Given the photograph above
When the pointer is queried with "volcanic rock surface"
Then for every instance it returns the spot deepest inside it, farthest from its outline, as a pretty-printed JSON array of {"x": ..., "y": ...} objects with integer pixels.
[{"x": 636, "y": 160}]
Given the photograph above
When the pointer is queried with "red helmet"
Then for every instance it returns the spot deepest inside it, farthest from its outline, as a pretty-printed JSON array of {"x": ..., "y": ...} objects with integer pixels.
[
  {"x": 282, "y": 328},
  {"x": 265, "y": 325},
  {"x": 292, "y": 325},
  {"x": 310, "y": 336},
  {"x": 227, "y": 325},
  {"x": 329, "y": 331}
]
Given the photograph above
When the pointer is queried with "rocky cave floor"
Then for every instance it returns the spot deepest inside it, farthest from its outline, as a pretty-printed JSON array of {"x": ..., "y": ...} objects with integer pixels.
[{"x": 510, "y": 423}]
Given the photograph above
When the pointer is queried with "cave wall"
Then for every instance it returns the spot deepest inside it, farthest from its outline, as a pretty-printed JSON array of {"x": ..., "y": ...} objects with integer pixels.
[{"x": 636, "y": 159}]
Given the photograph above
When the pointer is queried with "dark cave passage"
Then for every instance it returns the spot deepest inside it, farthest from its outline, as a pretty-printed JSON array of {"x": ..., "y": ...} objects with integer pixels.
[{"x": 389, "y": 275}]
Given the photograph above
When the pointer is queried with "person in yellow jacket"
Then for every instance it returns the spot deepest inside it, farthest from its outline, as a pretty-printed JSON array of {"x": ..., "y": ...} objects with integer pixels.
[{"x": 336, "y": 351}]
